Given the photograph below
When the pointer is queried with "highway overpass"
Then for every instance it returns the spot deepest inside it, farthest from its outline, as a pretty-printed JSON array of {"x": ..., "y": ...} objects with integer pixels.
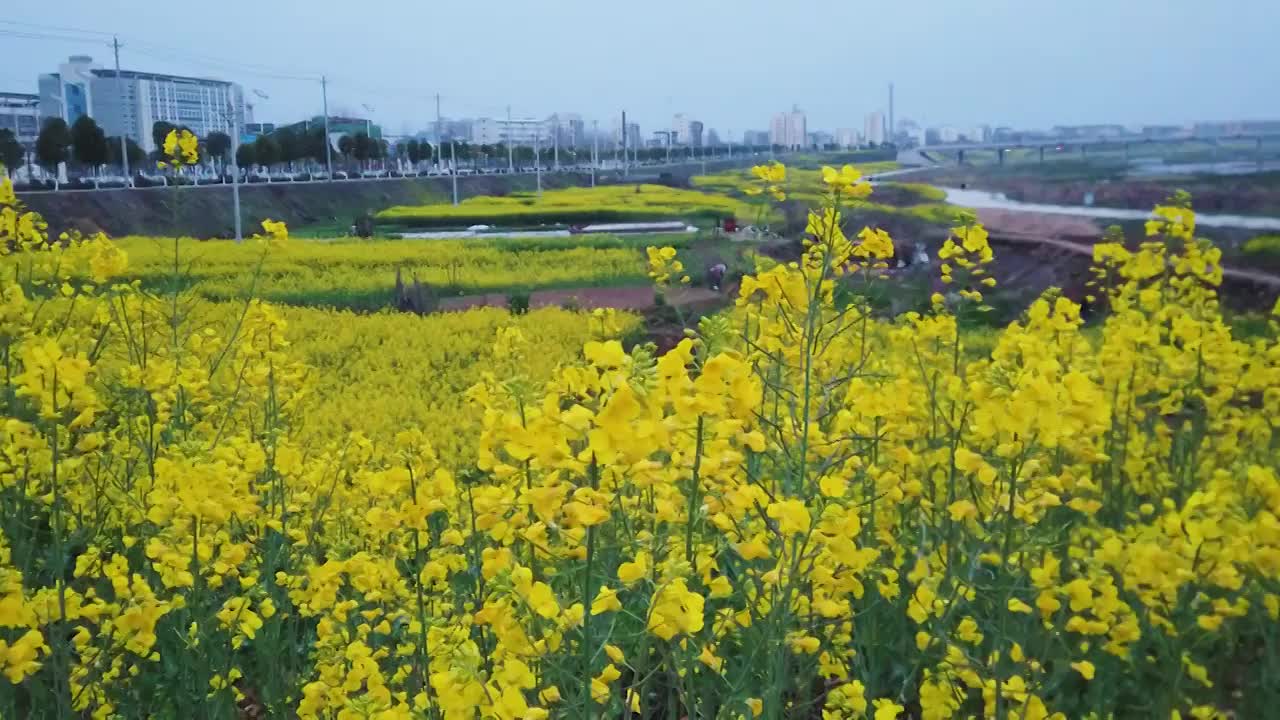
[{"x": 1083, "y": 145}]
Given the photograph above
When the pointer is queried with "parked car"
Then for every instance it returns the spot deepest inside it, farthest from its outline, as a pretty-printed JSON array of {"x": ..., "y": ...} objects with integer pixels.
[{"x": 340, "y": 175}]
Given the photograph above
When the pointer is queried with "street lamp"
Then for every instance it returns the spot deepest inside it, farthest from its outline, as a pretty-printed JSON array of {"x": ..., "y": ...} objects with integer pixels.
[
  {"x": 233, "y": 118},
  {"x": 368, "y": 128}
]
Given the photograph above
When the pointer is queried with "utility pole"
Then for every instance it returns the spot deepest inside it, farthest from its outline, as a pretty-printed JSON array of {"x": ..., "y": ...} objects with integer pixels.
[
  {"x": 595, "y": 150},
  {"x": 537, "y": 157},
  {"x": 235, "y": 169},
  {"x": 453, "y": 170},
  {"x": 891, "y": 113},
  {"x": 624, "y": 143},
  {"x": 555, "y": 141},
  {"x": 511, "y": 146},
  {"x": 124, "y": 147},
  {"x": 328, "y": 150},
  {"x": 440, "y": 137}
]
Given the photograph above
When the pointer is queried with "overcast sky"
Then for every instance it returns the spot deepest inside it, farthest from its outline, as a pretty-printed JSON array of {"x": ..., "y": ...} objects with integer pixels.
[{"x": 1025, "y": 63}]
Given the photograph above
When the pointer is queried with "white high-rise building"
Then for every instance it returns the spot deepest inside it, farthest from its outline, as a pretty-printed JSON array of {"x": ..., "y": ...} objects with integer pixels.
[
  {"x": 874, "y": 130},
  {"x": 633, "y": 134},
  {"x": 682, "y": 127},
  {"x": 789, "y": 129},
  {"x": 567, "y": 129},
  {"x": 20, "y": 114},
  {"x": 488, "y": 131},
  {"x": 134, "y": 101},
  {"x": 68, "y": 93},
  {"x": 847, "y": 138}
]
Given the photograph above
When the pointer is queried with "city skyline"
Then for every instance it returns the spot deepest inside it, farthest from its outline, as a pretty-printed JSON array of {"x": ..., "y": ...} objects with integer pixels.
[
  {"x": 82, "y": 87},
  {"x": 399, "y": 74}
]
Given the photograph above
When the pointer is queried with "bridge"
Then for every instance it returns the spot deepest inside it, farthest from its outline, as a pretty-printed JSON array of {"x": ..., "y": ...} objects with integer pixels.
[{"x": 1071, "y": 144}]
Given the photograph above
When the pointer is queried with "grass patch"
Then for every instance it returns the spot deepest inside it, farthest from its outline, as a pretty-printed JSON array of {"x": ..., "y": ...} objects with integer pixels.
[
  {"x": 614, "y": 203},
  {"x": 1267, "y": 245}
]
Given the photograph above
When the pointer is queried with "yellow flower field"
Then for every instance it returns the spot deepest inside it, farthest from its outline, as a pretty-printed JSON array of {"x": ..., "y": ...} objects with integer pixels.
[
  {"x": 808, "y": 186},
  {"x": 801, "y": 510},
  {"x": 607, "y": 203},
  {"x": 378, "y": 374},
  {"x": 361, "y": 274}
]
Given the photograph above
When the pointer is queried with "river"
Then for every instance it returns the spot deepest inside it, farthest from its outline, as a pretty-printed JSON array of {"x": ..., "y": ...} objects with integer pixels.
[{"x": 984, "y": 200}]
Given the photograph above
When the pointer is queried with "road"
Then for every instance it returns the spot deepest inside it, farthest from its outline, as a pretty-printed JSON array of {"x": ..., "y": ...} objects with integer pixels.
[
  {"x": 983, "y": 200},
  {"x": 633, "y": 172}
]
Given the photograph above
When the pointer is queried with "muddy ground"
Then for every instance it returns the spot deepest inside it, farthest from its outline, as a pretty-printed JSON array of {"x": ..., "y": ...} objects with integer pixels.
[{"x": 1256, "y": 194}]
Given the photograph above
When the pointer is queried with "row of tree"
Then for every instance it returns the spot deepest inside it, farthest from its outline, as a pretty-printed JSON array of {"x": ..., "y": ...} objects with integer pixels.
[{"x": 85, "y": 144}]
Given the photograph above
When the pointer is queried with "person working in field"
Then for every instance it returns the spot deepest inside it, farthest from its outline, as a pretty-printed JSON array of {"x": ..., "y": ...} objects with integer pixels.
[{"x": 715, "y": 275}]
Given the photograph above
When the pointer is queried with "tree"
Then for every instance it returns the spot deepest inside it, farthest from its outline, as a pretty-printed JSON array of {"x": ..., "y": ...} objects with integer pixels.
[
  {"x": 411, "y": 152},
  {"x": 346, "y": 146},
  {"x": 245, "y": 157},
  {"x": 11, "y": 151},
  {"x": 425, "y": 151},
  {"x": 88, "y": 142},
  {"x": 136, "y": 153},
  {"x": 53, "y": 145},
  {"x": 160, "y": 130},
  {"x": 290, "y": 145},
  {"x": 266, "y": 151},
  {"x": 218, "y": 145},
  {"x": 459, "y": 151},
  {"x": 360, "y": 148},
  {"x": 314, "y": 144}
]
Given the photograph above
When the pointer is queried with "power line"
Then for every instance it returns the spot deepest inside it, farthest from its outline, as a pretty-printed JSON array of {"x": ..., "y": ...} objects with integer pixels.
[
  {"x": 57, "y": 28},
  {"x": 239, "y": 65},
  {"x": 150, "y": 48},
  {"x": 32, "y": 35},
  {"x": 171, "y": 55}
]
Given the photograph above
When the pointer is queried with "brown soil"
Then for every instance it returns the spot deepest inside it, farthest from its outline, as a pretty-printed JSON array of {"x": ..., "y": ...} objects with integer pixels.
[
  {"x": 622, "y": 298},
  {"x": 1250, "y": 195},
  {"x": 999, "y": 222}
]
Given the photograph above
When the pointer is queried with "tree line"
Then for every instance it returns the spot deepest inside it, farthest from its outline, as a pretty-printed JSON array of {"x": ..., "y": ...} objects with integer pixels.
[{"x": 84, "y": 143}]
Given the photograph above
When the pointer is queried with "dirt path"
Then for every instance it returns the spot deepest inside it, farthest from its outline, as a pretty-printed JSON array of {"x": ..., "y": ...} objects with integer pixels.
[
  {"x": 1077, "y": 235},
  {"x": 638, "y": 297},
  {"x": 1083, "y": 248},
  {"x": 999, "y": 222}
]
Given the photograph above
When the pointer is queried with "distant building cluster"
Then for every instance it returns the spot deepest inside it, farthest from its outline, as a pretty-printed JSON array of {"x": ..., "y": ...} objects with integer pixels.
[
  {"x": 789, "y": 130},
  {"x": 131, "y": 102}
]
